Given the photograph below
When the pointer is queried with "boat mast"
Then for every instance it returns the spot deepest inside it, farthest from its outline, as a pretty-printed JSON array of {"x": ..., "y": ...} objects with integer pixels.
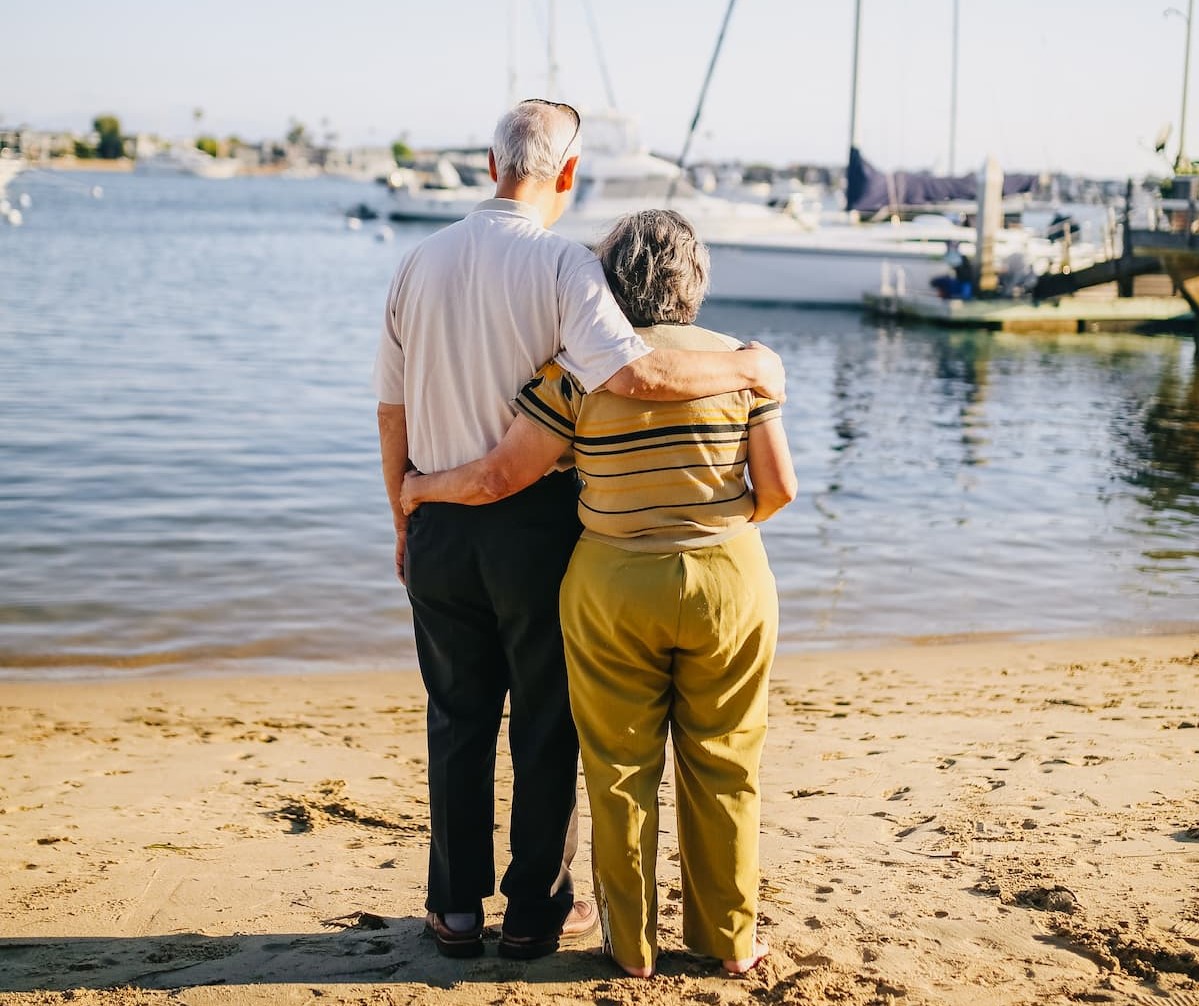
[
  {"x": 599, "y": 54},
  {"x": 702, "y": 94},
  {"x": 953, "y": 94},
  {"x": 853, "y": 88},
  {"x": 1181, "y": 161}
]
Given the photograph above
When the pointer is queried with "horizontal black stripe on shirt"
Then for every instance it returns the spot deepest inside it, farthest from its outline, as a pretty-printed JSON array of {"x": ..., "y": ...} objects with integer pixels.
[
  {"x": 761, "y": 410},
  {"x": 663, "y": 431},
  {"x": 646, "y": 471},
  {"x": 562, "y": 425},
  {"x": 645, "y": 448},
  {"x": 664, "y": 506}
]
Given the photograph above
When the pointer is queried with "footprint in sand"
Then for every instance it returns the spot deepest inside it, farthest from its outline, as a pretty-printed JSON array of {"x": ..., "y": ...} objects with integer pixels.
[{"x": 1187, "y": 930}]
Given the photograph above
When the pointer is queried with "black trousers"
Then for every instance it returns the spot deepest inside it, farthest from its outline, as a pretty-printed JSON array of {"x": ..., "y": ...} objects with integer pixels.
[{"x": 483, "y": 583}]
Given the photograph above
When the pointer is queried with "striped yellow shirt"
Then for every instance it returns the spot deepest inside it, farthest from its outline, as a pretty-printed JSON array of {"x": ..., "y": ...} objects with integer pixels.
[{"x": 657, "y": 476}]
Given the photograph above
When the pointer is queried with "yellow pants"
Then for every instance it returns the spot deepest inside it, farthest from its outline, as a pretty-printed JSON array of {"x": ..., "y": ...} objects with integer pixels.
[{"x": 680, "y": 641}]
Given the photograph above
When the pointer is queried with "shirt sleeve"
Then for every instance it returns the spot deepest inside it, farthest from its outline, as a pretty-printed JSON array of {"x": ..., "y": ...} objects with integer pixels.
[
  {"x": 388, "y": 376},
  {"x": 763, "y": 409},
  {"x": 597, "y": 339},
  {"x": 551, "y": 400}
]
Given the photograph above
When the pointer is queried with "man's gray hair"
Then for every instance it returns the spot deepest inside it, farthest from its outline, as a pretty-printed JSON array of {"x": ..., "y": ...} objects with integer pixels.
[
  {"x": 657, "y": 267},
  {"x": 531, "y": 141}
]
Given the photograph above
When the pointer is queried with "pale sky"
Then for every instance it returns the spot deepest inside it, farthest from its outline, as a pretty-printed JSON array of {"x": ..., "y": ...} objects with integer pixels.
[{"x": 1074, "y": 85}]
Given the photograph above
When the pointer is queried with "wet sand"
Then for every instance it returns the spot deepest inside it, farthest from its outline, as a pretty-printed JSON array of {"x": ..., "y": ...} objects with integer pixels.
[{"x": 990, "y": 823}]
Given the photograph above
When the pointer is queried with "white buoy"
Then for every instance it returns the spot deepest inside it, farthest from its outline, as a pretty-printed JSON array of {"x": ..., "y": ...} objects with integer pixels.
[
  {"x": 25, "y": 200},
  {"x": 353, "y": 224},
  {"x": 97, "y": 191},
  {"x": 5, "y": 206},
  {"x": 15, "y": 218},
  {"x": 384, "y": 233}
]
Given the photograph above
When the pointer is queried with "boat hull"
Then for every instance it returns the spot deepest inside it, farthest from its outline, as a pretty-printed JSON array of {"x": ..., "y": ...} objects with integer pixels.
[
  {"x": 436, "y": 205},
  {"x": 816, "y": 275}
]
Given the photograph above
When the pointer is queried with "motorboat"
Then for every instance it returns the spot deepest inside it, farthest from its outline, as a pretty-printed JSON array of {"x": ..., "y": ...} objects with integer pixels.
[
  {"x": 185, "y": 160},
  {"x": 445, "y": 193}
]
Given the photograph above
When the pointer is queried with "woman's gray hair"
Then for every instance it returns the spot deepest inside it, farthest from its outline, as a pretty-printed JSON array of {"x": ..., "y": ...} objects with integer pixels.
[
  {"x": 531, "y": 141},
  {"x": 657, "y": 267}
]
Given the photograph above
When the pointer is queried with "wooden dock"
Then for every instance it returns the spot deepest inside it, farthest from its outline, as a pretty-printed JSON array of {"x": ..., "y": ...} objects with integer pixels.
[{"x": 1066, "y": 314}]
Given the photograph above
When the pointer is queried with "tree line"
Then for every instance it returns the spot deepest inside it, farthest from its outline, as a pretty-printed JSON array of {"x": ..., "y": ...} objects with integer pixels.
[{"x": 110, "y": 144}]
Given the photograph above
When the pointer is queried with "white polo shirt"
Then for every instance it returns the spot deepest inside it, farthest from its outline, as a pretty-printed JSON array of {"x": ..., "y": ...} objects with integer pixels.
[{"x": 474, "y": 311}]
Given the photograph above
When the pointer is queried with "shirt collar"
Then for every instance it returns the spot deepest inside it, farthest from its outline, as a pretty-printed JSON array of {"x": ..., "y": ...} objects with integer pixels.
[{"x": 526, "y": 210}]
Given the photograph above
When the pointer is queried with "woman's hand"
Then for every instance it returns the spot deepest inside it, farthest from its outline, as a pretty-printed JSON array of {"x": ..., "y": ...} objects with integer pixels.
[{"x": 410, "y": 497}]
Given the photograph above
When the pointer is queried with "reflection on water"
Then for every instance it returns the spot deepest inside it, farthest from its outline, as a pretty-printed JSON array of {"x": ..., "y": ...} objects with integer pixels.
[
  {"x": 1164, "y": 446},
  {"x": 191, "y": 474},
  {"x": 1162, "y": 463}
]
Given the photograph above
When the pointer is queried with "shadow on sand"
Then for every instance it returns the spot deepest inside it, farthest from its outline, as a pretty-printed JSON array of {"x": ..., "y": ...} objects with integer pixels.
[{"x": 362, "y": 949}]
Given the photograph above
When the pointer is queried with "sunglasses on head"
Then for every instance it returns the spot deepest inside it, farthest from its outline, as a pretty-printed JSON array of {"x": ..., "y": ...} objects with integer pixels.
[{"x": 564, "y": 106}]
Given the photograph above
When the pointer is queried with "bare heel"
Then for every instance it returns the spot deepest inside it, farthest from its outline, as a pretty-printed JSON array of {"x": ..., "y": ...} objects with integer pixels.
[{"x": 761, "y": 949}]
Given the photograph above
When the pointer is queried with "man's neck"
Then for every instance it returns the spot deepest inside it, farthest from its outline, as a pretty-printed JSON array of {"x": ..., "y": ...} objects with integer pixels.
[{"x": 540, "y": 195}]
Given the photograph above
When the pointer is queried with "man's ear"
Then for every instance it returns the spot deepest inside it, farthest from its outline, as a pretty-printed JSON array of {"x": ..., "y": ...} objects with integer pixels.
[
  {"x": 566, "y": 177},
  {"x": 495, "y": 175}
]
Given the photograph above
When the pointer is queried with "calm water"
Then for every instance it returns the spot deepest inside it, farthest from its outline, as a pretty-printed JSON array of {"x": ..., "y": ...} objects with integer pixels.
[{"x": 189, "y": 475}]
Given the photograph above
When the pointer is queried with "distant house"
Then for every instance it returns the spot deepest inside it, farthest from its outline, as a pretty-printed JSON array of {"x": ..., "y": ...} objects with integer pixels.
[{"x": 37, "y": 144}]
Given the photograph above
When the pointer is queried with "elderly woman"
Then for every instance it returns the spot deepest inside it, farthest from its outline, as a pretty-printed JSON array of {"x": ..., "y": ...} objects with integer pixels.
[{"x": 669, "y": 611}]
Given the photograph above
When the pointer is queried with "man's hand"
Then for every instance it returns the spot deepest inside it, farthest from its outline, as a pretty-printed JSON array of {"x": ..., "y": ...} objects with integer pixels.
[{"x": 772, "y": 378}]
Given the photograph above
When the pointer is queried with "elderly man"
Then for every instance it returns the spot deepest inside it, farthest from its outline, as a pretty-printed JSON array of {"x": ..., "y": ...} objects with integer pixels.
[{"x": 474, "y": 309}]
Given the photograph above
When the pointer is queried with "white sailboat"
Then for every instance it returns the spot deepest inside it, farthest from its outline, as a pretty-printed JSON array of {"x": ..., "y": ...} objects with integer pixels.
[{"x": 836, "y": 264}]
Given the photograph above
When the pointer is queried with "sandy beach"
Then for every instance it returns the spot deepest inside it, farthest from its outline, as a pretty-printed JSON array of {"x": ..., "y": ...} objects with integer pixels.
[{"x": 988, "y": 823}]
